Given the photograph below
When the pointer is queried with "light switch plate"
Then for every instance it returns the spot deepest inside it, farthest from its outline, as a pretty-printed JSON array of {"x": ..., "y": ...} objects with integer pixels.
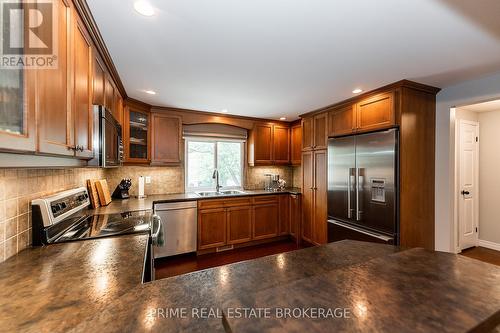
[{"x": 148, "y": 179}]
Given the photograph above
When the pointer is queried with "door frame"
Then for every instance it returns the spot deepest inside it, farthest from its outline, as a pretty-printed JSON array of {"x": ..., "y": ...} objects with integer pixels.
[{"x": 457, "y": 194}]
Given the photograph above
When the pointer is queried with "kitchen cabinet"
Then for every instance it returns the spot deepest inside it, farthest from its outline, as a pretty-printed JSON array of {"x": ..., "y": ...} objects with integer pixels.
[
  {"x": 375, "y": 112},
  {"x": 211, "y": 228},
  {"x": 136, "y": 132},
  {"x": 296, "y": 144},
  {"x": 265, "y": 217},
  {"x": 55, "y": 117},
  {"x": 342, "y": 121},
  {"x": 109, "y": 94},
  {"x": 314, "y": 206},
  {"x": 166, "y": 139},
  {"x": 320, "y": 131},
  {"x": 307, "y": 195},
  {"x": 261, "y": 145},
  {"x": 17, "y": 110},
  {"x": 295, "y": 216},
  {"x": 269, "y": 144},
  {"x": 281, "y": 144},
  {"x": 314, "y": 132},
  {"x": 98, "y": 81},
  {"x": 307, "y": 133},
  {"x": 82, "y": 85},
  {"x": 284, "y": 214},
  {"x": 246, "y": 219},
  {"x": 320, "y": 214},
  {"x": 239, "y": 224}
]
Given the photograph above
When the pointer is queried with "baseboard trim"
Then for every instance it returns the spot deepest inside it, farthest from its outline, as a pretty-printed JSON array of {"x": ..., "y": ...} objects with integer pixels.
[{"x": 489, "y": 245}]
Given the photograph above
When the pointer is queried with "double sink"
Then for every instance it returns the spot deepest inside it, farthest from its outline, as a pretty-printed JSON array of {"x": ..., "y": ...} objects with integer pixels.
[{"x": 220, "y": 193}]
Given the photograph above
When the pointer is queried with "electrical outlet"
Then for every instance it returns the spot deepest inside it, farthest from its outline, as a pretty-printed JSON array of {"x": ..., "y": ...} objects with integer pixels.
[{"x": 148, "y": 179}]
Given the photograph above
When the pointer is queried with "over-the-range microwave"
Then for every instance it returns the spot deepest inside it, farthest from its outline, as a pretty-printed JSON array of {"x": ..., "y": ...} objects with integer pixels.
[{"x": 108, "y": 139}]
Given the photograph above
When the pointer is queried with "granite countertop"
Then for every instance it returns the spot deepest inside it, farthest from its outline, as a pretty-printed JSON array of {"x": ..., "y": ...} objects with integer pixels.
[
  {"x": 95, "y": 286},
  {"x": 53, "y": 288},
  {"x": 134, "y": 204}
]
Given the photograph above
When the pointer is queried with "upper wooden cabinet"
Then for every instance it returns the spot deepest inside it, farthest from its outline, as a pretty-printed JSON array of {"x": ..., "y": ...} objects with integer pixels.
[
  {"x": 314, "y": 132},
  {"x": 281, "y": 144},
  {"x": 369, "y": 114},
  {"x": 82, "y": 85},
  {"x": 376, "y": 112},
  {"x": 166, "y": 139},
  {"x": 269, "y": 144},
  {"x": 136, "y": 135},
  {"x": 55, "y": 116},
  {"x": 98, "y": 82},
  {"x": 262, "y": 140},
  {"x": 342, "y": 121},
  {"x": 296, "y": 144}
]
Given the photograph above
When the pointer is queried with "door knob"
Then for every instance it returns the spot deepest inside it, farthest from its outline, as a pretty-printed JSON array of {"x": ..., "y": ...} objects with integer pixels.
[{"x": 465, "y": 192}]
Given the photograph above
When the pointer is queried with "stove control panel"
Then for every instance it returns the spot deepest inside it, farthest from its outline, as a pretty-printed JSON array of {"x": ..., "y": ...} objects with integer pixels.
[{"x": 66, "y": 204}]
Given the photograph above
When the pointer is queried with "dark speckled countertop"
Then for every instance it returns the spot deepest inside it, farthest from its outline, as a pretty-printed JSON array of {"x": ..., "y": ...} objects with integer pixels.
[
  {"x": 134, "y": 204},
  {"x": 94, "y": 286}
]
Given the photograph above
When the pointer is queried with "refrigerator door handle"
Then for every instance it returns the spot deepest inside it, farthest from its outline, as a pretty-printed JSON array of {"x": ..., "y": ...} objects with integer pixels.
[
  {"x": 359, "y": 188},
  {"x": 351, "y": 181}
]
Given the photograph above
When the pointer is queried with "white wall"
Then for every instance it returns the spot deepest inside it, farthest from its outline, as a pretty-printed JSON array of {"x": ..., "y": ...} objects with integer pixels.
[
  {"x": 468, "y": 92},
  {"x": 489, "y": 176}
]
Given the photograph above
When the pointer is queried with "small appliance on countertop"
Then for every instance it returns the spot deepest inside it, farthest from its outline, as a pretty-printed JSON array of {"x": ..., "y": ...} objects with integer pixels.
[
  {"x": 121, "y": 191},
  {"x": 64, "y": 217},
  {"x": 273, "y": 183}
]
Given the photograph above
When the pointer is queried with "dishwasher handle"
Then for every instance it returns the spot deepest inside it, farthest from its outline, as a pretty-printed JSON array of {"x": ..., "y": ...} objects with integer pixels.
[{"x": 175, "y": 205}]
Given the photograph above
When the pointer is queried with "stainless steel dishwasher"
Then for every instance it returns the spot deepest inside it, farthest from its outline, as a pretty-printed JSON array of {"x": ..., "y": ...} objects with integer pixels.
[{"x": 180, "y": 228}]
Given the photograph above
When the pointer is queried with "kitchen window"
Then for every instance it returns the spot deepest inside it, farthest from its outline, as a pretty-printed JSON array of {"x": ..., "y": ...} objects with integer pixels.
[{"x": 204, "y": 155}]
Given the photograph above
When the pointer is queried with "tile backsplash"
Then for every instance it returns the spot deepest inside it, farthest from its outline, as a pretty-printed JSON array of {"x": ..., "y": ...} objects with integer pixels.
[{"x": 18, "y": 187}]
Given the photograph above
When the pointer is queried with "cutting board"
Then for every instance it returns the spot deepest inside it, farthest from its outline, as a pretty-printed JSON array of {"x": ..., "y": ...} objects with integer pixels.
[
  {"x": 103, "y": 191},
  {"x": 94, "y": 197}
]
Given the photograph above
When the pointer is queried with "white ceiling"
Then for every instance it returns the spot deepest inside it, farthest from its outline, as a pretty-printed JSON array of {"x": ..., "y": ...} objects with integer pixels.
[
  {"x": 273, "y": 58},
  {"x": 483, "y": 107}
]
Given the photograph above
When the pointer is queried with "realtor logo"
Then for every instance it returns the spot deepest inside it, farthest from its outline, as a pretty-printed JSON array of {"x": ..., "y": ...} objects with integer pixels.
[{"x": 28, "y": 33}]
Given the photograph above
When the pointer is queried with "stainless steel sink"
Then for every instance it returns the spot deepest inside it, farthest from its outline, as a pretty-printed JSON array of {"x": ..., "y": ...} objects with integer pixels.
[
  {"x": 214, "y": 193},
  {"x": 208, "y": 194},
  {"x": 232, "y": 192}
]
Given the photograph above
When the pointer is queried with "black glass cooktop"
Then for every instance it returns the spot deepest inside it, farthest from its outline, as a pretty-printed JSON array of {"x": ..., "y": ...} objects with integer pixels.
[{"x": 95, "y": 226}]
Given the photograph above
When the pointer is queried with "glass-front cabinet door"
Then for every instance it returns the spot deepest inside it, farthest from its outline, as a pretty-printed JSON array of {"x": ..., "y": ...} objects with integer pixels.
[
  {"x": 137, "y": 136},
  {"x": 17, "y": 121}
]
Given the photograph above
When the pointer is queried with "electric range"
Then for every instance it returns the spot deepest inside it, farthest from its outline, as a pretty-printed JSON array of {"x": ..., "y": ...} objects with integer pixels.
[{"x": 65, "y": 217}]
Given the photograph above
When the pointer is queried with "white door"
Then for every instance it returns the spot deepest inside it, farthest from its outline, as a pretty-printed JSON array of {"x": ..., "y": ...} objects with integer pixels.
[{"x": 468, "y": 184}]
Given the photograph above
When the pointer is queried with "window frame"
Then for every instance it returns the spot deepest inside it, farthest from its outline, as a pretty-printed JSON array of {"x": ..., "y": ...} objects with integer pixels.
[{"x": 213, "y": 140}]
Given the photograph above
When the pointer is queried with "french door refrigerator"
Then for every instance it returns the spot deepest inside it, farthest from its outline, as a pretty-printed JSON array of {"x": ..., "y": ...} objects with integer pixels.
[{"x": 363, "y": 187}]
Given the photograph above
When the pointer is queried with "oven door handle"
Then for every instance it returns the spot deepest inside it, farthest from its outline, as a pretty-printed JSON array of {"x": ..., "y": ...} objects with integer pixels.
[{"x": 156, "y": 224}]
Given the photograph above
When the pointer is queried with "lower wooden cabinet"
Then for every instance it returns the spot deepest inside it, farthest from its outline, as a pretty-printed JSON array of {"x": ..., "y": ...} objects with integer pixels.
[
  {"x": 245, "y": 219},
  {"x": 295, "y": 215},
  {"x": 239, "y": 224},
  {"x": 284, "y": 214},
  {"x": 211, "y": 228},
  {"x": 265, "y": 223}
]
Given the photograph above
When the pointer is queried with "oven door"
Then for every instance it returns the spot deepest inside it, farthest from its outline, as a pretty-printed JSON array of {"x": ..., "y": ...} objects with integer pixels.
[{"x": 111, "y": 143}]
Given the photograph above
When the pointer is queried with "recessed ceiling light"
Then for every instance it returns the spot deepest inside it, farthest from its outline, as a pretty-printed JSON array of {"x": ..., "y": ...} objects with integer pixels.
[
  {"x": 224, "y": 111},
  {"x": 357, "y": 91},
  {"x": 144, "y": 8},
  {"x": 283, "y": 118},
  {"x": 150, "y": 92}
]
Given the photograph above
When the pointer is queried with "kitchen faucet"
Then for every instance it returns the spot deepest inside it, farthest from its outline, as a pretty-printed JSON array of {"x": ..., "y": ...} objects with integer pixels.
[{"x": 216, "y": 177}]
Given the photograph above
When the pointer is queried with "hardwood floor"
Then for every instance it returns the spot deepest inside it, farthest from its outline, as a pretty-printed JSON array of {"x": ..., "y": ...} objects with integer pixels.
[
  {"x": 167, "y": 267},
  {"x": 483, "y": 254}
]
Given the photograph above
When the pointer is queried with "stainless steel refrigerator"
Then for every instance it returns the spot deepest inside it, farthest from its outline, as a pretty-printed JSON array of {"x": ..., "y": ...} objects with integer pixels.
[{"x": 363, "y": 187}]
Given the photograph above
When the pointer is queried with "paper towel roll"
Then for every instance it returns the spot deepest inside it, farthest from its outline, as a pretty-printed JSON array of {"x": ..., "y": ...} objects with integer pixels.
[{"x": 141, "y": 187}]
